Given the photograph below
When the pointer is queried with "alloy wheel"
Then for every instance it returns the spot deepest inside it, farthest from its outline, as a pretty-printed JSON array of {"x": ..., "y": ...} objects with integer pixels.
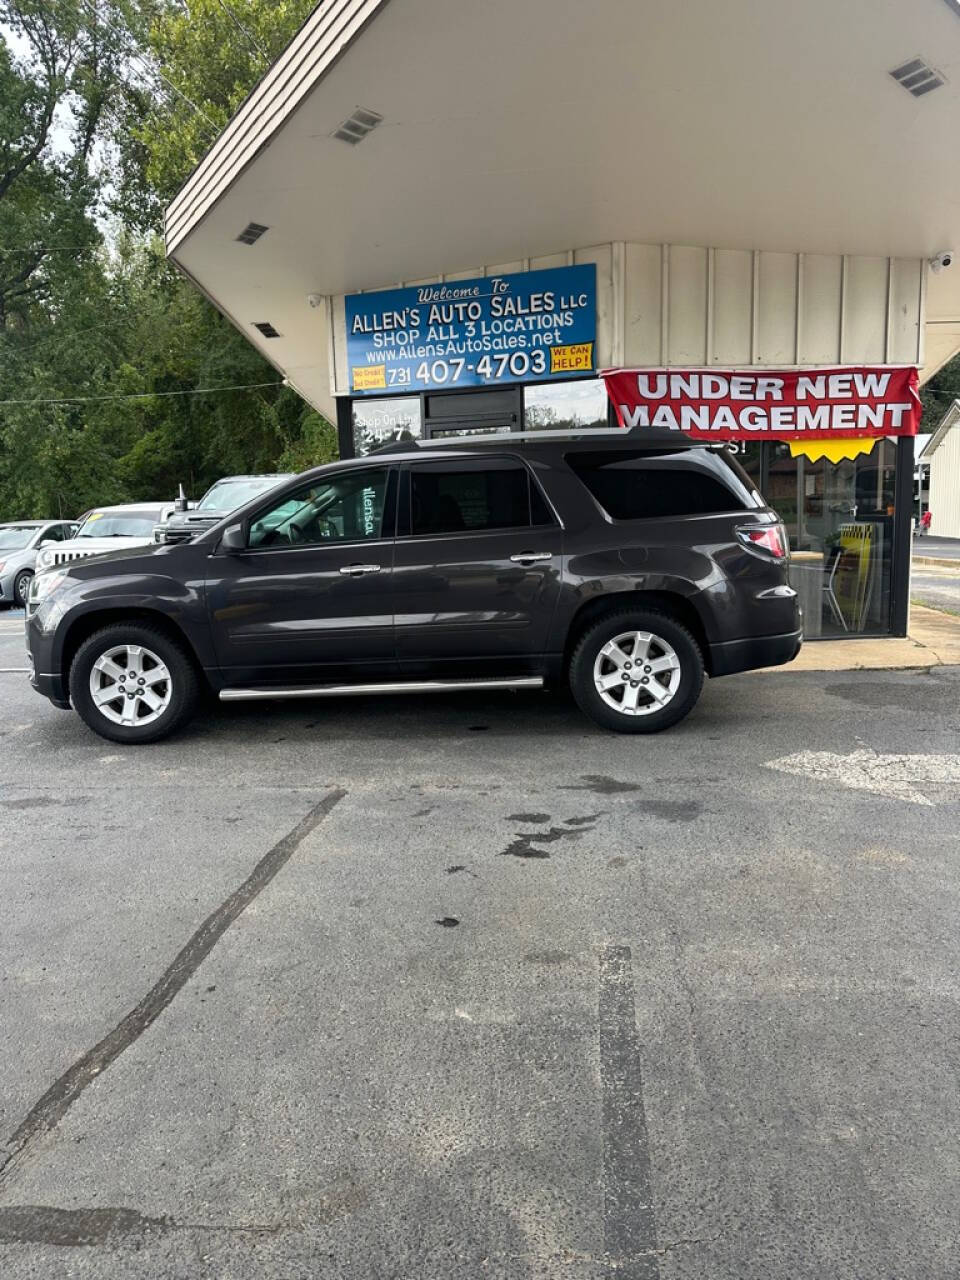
[
  {"x": 130, "y": 685},
  {"x": 637, "y": 673}
]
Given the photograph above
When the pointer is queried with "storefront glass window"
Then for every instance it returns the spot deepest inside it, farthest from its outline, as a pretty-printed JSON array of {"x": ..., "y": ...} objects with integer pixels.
[
  {"x": 562, "y": 406},
  {"x": 839, "y": 518},
  {"x": 380, "y": 422}
]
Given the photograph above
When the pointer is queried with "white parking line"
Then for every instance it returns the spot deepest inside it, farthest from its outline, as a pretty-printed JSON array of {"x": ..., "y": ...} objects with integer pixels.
[{"x": 919, "y": 779}]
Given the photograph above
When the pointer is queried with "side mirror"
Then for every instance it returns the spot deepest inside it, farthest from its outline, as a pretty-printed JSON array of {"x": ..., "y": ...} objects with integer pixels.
[{"x": 234, "y": 538}]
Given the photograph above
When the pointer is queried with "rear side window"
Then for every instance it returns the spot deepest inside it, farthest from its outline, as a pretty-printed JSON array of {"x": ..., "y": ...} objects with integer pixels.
[
  {"x": 649, "y": 486},
  {"x": 448, "y": 499}
]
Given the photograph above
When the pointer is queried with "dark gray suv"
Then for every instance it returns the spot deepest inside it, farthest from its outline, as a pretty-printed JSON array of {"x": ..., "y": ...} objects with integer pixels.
[{"x": 627, "y": 568}]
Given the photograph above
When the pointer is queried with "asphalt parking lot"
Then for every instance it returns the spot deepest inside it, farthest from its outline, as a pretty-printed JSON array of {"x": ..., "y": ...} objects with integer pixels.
[{"x": 466, "y": 987}]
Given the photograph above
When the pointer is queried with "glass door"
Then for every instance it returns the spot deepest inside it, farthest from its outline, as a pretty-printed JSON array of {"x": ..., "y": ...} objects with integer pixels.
[{"x": 839, "y": 518}]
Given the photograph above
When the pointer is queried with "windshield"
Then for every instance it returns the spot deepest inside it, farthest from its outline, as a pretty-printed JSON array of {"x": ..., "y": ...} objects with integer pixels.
[
  {"x": 15, "y": 536},
  {"x": 119, "y": 524},
  {"x": 227, "y": 495}
]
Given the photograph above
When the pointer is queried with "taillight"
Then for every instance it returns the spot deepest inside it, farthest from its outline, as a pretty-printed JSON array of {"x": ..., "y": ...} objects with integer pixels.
[{"x": 771, "y": 538}]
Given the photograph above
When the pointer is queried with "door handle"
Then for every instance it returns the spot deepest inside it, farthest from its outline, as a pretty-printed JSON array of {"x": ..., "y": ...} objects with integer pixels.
[
  {"x": 531, "y": 557},
  {"x": 357, "y": 570}
]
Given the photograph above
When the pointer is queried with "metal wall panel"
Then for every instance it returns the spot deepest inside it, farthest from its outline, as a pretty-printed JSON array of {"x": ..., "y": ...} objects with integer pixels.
[
  {"x": 608, "y": 338},
  {"x": 777, "y": 309},
  {"x": 904, "y": 315},
  {"x": 732, "y": 306},
  {"x": 642, "y": 304},
  {"x": 688, "y": 305},
  {"x": 820, "y": 312},
  {"x": 687, "y": 313},
  {"x": 865, "y": 310}
]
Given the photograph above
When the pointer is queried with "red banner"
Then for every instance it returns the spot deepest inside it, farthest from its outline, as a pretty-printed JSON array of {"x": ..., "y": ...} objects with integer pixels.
[{"x": 751, "y": 404}]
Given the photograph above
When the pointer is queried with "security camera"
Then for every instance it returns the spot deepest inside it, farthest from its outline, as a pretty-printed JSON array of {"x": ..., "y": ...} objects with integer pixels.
[
  {"x": 316, "y": 299},
  {"x": 943, "y": 259}
]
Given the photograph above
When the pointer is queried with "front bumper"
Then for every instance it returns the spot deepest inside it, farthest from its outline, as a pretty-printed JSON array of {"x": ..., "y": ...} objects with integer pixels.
[
  {"x": 44, "y": 677},
  {"x": 757, "y": 651}
]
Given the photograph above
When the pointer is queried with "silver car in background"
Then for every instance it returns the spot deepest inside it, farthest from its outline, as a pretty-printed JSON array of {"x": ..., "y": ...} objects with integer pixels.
[{"x": 20, "y": 543}]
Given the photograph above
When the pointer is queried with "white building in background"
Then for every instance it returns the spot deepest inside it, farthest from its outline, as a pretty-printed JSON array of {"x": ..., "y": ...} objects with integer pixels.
[{"x": 942, "y": 454}]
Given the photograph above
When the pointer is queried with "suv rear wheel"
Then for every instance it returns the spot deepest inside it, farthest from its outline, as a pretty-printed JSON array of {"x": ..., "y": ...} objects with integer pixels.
[
  {"x": 131, "y": 683},
  {"x": 636, "y": 671}
]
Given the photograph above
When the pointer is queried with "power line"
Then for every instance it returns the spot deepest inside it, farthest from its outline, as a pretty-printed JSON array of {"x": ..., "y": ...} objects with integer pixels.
[
  {"x": 240, "y": 27},
  {"x": 146, "y": 395},
  {"x": 151, "y": 70},
  {"x": 55, "y": 332},
  {"x": 52, "y": 248}
]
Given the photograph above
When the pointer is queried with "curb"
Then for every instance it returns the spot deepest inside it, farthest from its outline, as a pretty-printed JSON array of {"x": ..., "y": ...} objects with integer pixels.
[{"x": 930, "y": 561}]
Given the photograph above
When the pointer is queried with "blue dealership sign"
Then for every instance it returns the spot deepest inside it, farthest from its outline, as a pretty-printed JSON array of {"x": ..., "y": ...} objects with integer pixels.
[{"x": 530, "y": 326}]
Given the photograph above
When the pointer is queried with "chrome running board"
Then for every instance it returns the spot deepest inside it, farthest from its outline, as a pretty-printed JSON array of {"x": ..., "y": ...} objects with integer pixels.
[{"x": 394, "y": 686}]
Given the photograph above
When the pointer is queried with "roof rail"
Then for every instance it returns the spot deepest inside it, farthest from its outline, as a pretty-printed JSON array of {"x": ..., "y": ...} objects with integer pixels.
[{"x": 504, "y": 437}]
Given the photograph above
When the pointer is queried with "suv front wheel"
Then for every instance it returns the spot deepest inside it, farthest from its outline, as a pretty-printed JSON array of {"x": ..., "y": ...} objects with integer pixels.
[
  {"x": 131, "y": 683},
  {"x": 636, "y": 671}
]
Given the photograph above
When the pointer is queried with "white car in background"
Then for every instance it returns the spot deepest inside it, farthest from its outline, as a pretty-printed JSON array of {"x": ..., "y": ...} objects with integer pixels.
[{"x": 108, "y": 529}]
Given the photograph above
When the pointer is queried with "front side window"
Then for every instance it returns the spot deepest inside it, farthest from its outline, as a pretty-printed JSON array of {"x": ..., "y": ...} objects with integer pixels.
[
  {"x": 452, "y": 499},
  {"x": 647, "y": 485},
  {"x": 340, "y": 508}
]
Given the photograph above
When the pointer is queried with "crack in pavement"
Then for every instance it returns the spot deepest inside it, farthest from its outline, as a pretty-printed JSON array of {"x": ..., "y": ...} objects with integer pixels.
[{"x": 47, "y": 1113}]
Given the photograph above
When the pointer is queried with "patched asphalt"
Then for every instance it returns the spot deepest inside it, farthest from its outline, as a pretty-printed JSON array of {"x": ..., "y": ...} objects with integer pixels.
[{"x": 463, "y": 986}]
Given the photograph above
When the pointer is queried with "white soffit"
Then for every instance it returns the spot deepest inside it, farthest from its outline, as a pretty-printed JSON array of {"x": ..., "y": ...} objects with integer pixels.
[
  {"x": 515, "y": 128},
  {"x": 510, "y": 129}
]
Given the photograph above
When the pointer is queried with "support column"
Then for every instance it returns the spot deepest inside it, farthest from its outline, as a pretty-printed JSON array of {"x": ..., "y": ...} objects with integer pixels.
[
  {"x": 902, "y": 540},
  {"x": 345, "y": 427}
]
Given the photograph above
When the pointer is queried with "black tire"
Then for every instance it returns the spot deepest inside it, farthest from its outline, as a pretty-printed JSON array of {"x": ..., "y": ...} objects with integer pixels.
[
  {"x": 183, "y": 685},
  {"x": 21, "y": 588},
  {"x": 662, "y": 628}
]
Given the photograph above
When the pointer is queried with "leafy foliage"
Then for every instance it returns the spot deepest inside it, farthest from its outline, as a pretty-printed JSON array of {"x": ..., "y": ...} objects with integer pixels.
[
  {"x": 96, "y": 132},
  {"x": 938, "y": 394}
]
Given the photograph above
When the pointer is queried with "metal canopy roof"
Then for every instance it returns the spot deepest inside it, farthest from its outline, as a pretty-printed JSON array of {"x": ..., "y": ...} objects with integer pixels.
[{"x": 511, "y": 129}]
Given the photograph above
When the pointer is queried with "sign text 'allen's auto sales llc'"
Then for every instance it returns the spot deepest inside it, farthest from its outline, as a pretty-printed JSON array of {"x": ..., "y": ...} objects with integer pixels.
[{"x": 528, "y": 326}]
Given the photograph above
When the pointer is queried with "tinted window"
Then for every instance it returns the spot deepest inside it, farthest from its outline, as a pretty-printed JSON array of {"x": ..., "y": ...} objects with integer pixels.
[
  {"x": 647, "y": 486},
  {"x": 447, "y": 500},
  {"x": 340, "y": 508}
]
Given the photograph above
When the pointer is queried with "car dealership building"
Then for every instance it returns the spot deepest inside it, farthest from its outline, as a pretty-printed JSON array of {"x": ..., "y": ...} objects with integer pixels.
[{"x": 437, "y": 217}]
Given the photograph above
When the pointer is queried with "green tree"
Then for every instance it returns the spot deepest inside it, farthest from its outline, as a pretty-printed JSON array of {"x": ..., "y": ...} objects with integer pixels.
[
  {"x": 938, "y": 394},
  {"x": 104, "y": 109}
]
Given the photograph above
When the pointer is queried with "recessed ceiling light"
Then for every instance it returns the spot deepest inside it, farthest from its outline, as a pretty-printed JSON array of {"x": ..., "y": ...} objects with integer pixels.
[
  {"x": 917, "y": 77},
  {"x": 356, "y": 127}
]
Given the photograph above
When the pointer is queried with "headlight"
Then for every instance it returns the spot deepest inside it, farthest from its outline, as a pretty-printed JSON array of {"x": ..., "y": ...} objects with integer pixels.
[
  {"x": 44, "y": 585},
  {"x": 44, "y": 559},
  {"x": 3, "y": 565}
]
